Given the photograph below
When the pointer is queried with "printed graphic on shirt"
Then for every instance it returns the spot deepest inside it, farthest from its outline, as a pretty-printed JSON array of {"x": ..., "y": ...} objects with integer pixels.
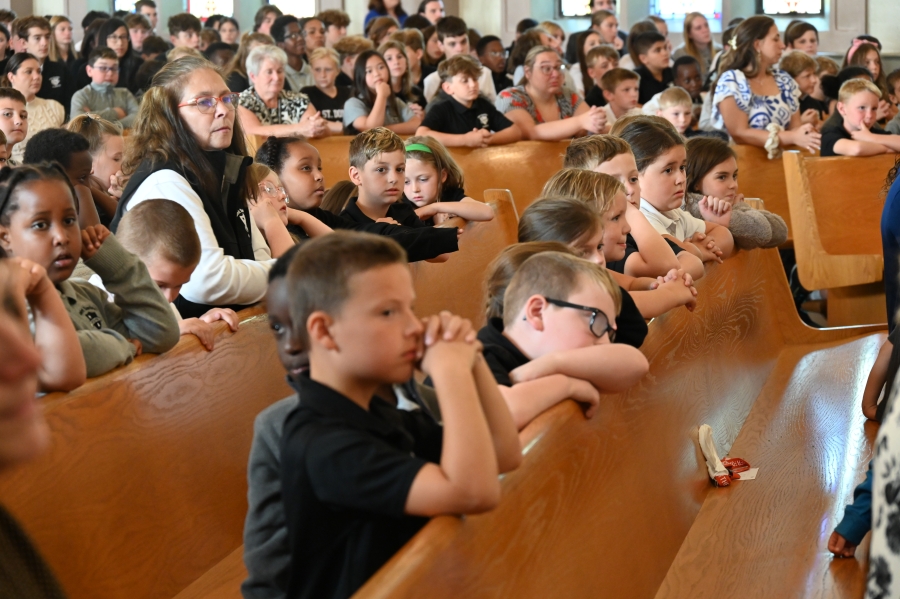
[
  {"x": 91, "y": 314},
  {"x": 56, "y": 82},
  {"x": 484, "y": 120},
  {"x": 242, "y": 216}
]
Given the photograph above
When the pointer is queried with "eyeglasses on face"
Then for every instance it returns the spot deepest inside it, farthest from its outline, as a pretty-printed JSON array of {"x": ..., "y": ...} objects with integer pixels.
[
  {"x": 599, "y": 324},
  {"x": 117, "y": 38},
  {"x": 546, "y": 69},
  {"x": 207, "y": 104},
  {"x": 106, "y": 69},
  {"x": 272, "y": 191}
]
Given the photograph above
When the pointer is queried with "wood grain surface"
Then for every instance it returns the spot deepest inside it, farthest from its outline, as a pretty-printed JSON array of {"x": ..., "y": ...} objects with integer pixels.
[
  {"x": 144, "y": 486},
  {"x": 603, "y": 507}
]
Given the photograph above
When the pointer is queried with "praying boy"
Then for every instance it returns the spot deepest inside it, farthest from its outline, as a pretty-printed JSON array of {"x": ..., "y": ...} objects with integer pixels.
[
  {"x": 554, "y": 340},
  {"x": 359, "y": 477},
  {"x": 655, "y": 73},
  {"x": 462, "y": 117},
  {"x": 101, "y": 96}
]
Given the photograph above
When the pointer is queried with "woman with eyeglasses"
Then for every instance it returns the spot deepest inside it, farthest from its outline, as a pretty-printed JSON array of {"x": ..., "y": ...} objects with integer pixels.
[
  {"x": 188, "y": 147},
  {"x": 543, "y": 107},
  {"x": 266, "y": 108},
  {"x": 23, "y": 73},
  {"x": 114, "y": 34}
]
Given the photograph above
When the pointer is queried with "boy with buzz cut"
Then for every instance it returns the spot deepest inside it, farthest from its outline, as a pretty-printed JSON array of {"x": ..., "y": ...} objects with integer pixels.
[
  {"x": 453, "y": 39},
  {"x": 162, "y": 234},
  {"x": 554, "y": 340},
  {"x": 655, "y": 73},
  {"x": 621, "y": 91},
  {"x": 600, "y": 59},
  {"x": 101, "y": 96},
  {"x": 184, "y": 31},
  {"x": 461, "y": 117},
  {"x": 359, "y": 476}
]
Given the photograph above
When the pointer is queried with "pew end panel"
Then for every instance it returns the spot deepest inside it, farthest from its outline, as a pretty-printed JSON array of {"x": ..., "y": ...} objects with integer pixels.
[
  {"x": 456, "y": 285},
  {"x": 827, "y": 205},
  {"x": 143, "y": 488}
]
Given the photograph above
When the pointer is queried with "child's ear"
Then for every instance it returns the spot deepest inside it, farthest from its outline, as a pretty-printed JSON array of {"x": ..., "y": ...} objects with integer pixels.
[
  {"x": 317, "y": 327},
  {"x": 643, "y": 58},
  {"x": 354, "y": 176},
  {"x": 534, "y": 312},
  {"x": 444, "y": 176},
  {"x": 608, "y": 96},
  {"x": 4, "y": 240},
  {"x": 445, "y": 85},
  {"x": 840, "y": 108},
  {"x": 659, "y": 112}
]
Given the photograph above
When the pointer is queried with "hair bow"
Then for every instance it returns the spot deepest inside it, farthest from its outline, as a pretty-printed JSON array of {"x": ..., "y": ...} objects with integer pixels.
[{"x": 854, "y": 46}]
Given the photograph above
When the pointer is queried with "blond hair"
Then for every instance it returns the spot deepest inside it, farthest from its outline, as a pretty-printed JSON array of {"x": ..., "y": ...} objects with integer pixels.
[
  {"x": 690, "y": 46},
  {"x": 55, "y": 55},
  {"x": 852, "y": 87},
  {"x": 160, "y": 229},
  {"x": 674, "y": 96},
  {"x": 593, "y": 150},
  {"x": 94, "y": 129},
  {"x": 601, "y": 51},
  {"x": 796, "y": 62},
  {"x": 440, "y": 158},
  {"x": 326, "y": 53},
  {"x": 256, "y": 174},
  {"x": 597, "y": 189},
  {"x": 504, "y": 266},
  {"x": 556, "y": 275},
  {"x": 369, "y": 144}
]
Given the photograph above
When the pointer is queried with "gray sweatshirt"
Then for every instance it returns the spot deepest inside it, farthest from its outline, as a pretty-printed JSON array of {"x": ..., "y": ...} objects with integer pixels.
[
  {"x": 750, "y": 228},
  {"x": 102, "y": 99},
  {"x": 140, "y": 311}
]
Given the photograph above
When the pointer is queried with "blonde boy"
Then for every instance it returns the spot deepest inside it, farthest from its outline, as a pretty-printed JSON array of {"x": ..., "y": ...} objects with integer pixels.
[
  {"x": 554, "y": 340},
  {"x": 162, "y": 234},
  {"x": 675, "y": 106},
  {"x": 852, "y": 131},
  {"x": 620, "y": 89}
]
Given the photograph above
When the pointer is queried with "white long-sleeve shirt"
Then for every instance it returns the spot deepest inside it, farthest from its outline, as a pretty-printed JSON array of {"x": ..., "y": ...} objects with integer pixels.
[{"x": 218, "y": 280}]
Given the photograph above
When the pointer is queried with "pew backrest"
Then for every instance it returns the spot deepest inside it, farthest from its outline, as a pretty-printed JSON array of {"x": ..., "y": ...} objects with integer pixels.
[{"x": 143, "y": 488}]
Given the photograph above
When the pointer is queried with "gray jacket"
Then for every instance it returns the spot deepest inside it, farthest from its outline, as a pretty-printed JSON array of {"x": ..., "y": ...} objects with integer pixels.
[
  {"x": 750, "y": 228},
  {"x": 102, "y": 100},
  {"x": 140, "y": 311}
]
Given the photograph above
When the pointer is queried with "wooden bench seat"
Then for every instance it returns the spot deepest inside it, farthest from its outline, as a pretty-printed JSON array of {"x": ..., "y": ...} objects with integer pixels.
[
  {"x": 836, "y": 206},
  {"x": 607, "y": 507},
  {"x": 143, "y": 489}
]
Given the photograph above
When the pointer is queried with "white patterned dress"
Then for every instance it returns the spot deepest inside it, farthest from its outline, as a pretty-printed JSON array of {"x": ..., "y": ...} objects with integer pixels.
[
  {"x": 761, "y": 110},
  {"x": 288, "y": 111}
]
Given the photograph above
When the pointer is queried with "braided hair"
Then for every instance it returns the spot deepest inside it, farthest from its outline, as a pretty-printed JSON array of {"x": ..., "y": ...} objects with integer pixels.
[
  {"x": 274, "y": 151},
  {"x": 12, "y": 177}
]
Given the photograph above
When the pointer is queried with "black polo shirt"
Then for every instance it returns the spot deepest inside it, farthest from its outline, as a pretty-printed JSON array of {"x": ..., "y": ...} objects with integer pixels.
[
  {"x": 446, "y": 115},
  {"x": 650, "y": 86},
  {"x": 346, "y": 475},
  {"x": 402, "y": 211},
  {"x": 501, "y": 354},
  {"x": 833, "y": 131},
  {"x": 55, "y": 84}
]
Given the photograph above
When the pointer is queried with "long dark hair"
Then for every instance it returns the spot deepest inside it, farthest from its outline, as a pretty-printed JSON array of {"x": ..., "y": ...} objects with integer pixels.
[
  {"x": 378, "y": 6},
  {"x": 586, "y": 81},
  {"x": 160, "y": 135},
  {"x": 703, "y": 155},
  {"x": 14, "y": 64},
  {"x": 744, "y": 57},
  {"x": 362, "y": 91},
  {"x": 108, "y": 28},
  {"x": 11, "y": 177}
]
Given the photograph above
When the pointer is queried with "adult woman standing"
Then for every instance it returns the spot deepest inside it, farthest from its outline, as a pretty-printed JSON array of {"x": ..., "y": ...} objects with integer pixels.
[
  {"x": 755, "y": 102},
  {"x": 23, "y": 73},
  {"x": 61, "y": 49},
  {"x": 267, "y": 109},
  {"x": 698, "y": 42},
  {"x": 542, "y": 107},
  {"x": 187, "y": 146}
]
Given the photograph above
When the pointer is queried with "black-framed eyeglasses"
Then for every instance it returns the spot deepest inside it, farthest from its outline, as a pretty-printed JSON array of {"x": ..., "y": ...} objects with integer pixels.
[
  {"x": 599, "y": 321},
  {"x": 207, "y": 104}
]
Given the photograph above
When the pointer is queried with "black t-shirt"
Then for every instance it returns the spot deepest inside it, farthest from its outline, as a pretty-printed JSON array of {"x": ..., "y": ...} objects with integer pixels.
[
  {"x": 402, "y": 211},
  {"x": 630, "y": 248},
  {"x": 819, "y": 106},
  {"x": 501, "y": 81},
  {"x": 346, "y": 473},
  {"x": 343, "y": 80},
  {"x": 56, "y": 84},
  {"x": 631, "y": 327},
  {"x": 332, "y": 109},
  {"x": 650, "y": 86},
  {"x": 595, "y": 97},
  {"x": 501, "y": 354},
  {"x": 834, "y": 131},
  {"x": 447, "y": 115}
]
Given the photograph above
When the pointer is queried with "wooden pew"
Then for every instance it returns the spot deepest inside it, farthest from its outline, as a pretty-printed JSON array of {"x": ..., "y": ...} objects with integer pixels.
[
  {"x": 835, "y": 206},
  {"x": 764, "y": 178},
  {"x": 622, "y": 506},
  {"x": 456, "y": 285},
  {"x": 144, "y": 486},
  {"x": 522, "y": 168}
]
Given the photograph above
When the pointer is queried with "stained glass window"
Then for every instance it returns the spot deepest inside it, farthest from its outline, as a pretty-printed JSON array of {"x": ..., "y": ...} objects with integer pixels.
[{"x": 791, "y": 7}]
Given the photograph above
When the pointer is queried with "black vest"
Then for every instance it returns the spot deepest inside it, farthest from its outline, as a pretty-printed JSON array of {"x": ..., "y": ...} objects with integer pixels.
[{"x": 228, "y": 213}]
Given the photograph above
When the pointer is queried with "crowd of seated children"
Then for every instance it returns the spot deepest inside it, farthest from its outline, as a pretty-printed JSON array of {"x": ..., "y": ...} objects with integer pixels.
[
  {"x": 552, "y": 340},
  {"x": 101, "y": 96},
  {"x": 647, "y": 254},
  {"x": 599, "y": 60},
  {"x": 604, "y": 239},
  {"x": 110, "y": 334},
  {"x": 107, "y": 150},
  {"x": 712, "y": 182},
  {"x": 436, "y": 184},
  {"x": 360, "y": 477},
  {"x": 460, "y": 116},
  {"x": 298, "y": 166},
  {"x": 325, "y": 95},
  {"x": 851, "y": 130},
  {"x": 161, "y": 234},
  {"x": 374, "y": 103},
  {"x": 452, "y": 40}
]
